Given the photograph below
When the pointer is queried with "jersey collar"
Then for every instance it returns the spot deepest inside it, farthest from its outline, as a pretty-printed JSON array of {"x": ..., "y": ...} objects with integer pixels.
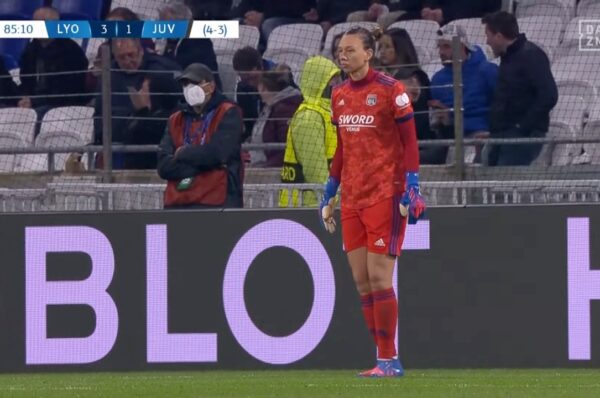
[{"x": 371, "y": 74}]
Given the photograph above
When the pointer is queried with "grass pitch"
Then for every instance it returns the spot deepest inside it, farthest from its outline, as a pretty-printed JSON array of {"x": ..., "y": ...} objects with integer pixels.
[{"x": 545, "y": 383}]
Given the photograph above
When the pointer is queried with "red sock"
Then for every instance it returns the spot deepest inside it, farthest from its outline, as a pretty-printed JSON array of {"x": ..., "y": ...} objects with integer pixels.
[
  {"x": 366, "y": 302},
  {"x": 385, "y": 307}
]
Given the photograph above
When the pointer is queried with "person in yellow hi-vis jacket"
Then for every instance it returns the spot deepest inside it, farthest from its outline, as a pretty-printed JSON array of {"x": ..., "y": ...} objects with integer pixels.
[{"x": 311, "y": 138}]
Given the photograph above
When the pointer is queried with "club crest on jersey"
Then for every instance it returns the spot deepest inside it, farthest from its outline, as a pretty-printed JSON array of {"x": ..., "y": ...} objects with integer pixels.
[
  {"x": 372, "y": 99},
  {"x": 402, "y": 100}
]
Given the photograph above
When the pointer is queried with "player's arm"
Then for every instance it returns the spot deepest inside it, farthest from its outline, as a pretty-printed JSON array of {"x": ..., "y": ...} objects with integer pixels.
[
  {"x": 411, "y": 203},
  {"x": 333, "y": 182}
]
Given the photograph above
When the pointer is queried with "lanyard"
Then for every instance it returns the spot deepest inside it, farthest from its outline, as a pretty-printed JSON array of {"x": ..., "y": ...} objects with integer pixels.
[{"x": 188, "y": 139}]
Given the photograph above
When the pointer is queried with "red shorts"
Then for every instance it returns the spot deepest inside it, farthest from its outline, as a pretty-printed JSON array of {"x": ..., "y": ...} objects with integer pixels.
[{"x": 380, "y": 227}]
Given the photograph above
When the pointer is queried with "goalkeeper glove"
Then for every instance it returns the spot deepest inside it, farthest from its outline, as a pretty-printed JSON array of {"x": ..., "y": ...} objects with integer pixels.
[
  {"x": 328, "y": 204},
  {"x": 412, "y": 203}
]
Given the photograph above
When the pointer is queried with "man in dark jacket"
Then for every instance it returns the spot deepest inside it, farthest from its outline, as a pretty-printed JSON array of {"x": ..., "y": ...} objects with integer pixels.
[
  {"x": 269, "y": 14},
  {"x": 153, "y": 104},
  {"x": 443, "y": 11},
  {"x": 135, "y": 65},
  {"x": 331, "y": 12},
  {"x": 41, "y": 58},
  {"x": 8, "y": 88},
  {"x": 525, "y": 92},
  {"x": 200, "y": 153}
]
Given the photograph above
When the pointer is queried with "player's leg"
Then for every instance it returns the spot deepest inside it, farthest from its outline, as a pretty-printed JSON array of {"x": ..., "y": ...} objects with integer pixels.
[
  {"x": 385, "y": 233},
  {"x": 354, "y": 236},
  {"x": 385, "y": 305}
]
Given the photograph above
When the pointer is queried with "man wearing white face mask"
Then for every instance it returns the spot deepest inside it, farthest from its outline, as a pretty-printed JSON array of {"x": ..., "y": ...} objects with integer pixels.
[{"x": 199, "y": 155}]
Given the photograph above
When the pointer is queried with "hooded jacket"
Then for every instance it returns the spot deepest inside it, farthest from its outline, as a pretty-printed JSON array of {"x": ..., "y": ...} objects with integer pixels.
[
  {"x": 479, "y": 82},
  {"x": 312, "y": 138}
]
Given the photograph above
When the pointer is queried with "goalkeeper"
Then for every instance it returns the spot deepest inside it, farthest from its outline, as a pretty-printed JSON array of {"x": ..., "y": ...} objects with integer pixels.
[{"x": 376, "y": 162}]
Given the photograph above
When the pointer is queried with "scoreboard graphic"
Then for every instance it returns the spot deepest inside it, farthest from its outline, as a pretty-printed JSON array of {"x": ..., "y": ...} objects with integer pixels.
[{"x": 119, "y": 29}]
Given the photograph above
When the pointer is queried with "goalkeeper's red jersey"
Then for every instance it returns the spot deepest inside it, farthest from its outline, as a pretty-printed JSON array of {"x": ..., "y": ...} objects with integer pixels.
[{"x": 368, "y": 114}]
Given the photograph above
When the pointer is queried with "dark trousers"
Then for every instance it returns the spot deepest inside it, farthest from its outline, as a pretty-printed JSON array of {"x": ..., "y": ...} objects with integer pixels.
[{"x": 515, "y": 155}]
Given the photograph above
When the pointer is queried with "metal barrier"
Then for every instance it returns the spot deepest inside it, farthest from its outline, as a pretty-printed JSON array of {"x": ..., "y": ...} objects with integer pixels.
[{"x": 91, "y": 196}]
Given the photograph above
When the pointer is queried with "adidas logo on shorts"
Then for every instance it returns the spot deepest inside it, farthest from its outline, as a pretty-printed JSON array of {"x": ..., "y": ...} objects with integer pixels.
[{"x": 380, "y": 243}]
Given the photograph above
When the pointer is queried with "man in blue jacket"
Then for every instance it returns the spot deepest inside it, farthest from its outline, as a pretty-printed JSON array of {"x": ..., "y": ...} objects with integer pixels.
[{"x": 479, "y": 78}]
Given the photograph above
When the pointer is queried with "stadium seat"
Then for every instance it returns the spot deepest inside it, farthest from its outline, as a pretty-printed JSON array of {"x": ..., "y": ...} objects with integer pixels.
[
  {"x": 571, "y": 110},
  {"x": 580, "y": 68},
  {"x": 225, "y": 49},
  {"x": 589, "y": 9},
  {"x": 292, "y": 44},
  {"x": 474, "y": 28},
  {"x": 145, "y": 9},
  {"x": 249, "y": 36},
  {"x": 9, "y": 62},
  {"x": 341, "y": 28},
  {"x": 300, "y": 36},
  {"x": 13, "y": 48},
  {"x": 549, "y": 8},
  {"x": 559, "y": 154},
  {"x": 75, "y": 119},
  {"x": 422, "y": 33},
  {"x": 229, "y": 78},
  {"x": 79, "y": 10},
  {"x": 592, "y": 130},
  {"x": 18, "y": 9},
  {"x": 20, "y": 121},
  {"x": 542, "y": 30},
  {"x": 91, "y": 50},
  {"x": 9, "y": 139},
  {"x": 39, "y": 162},
  {"x": 570, "y": 43},
  {"x": 577, "y": 88},
  {"x": 63, "y": 126}
]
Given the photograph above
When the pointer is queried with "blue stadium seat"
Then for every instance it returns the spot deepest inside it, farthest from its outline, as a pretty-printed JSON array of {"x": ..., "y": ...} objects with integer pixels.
[
  {"x": 78, "y": 9},
  {"x": 13, "y": 47},
  {"x": 19, "y": 9}
]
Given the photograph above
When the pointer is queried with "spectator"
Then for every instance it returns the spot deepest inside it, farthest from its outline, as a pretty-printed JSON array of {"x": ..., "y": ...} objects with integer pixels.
[
  {"x": 153, "y": 105},
  {"x": 331, "y": 12},
  {"x": 134, "y": 65},
  {"x": 335, "y": 43},
  {"x": 199, "y": 155},
  {"x": 42, "y": 59},
  {"x": 8, "y": 87},
  {"x": 384, "y": 12},
  {"x": 479, "y": 81},
  {"x": 399, "y": 59},
  {"x": 444, "y": 11},
  {"x": 525, "y": 92},
  {"x": 281, "y": 100},
  {"x": 311, "y": 138},
  {"x": 209, "y": 10},
  {"x": 188, "y": 51},
  {"x": 249, "y": 65},
  {"x": 269, "y": 14},
  {"x": 116, "y": 14}
]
